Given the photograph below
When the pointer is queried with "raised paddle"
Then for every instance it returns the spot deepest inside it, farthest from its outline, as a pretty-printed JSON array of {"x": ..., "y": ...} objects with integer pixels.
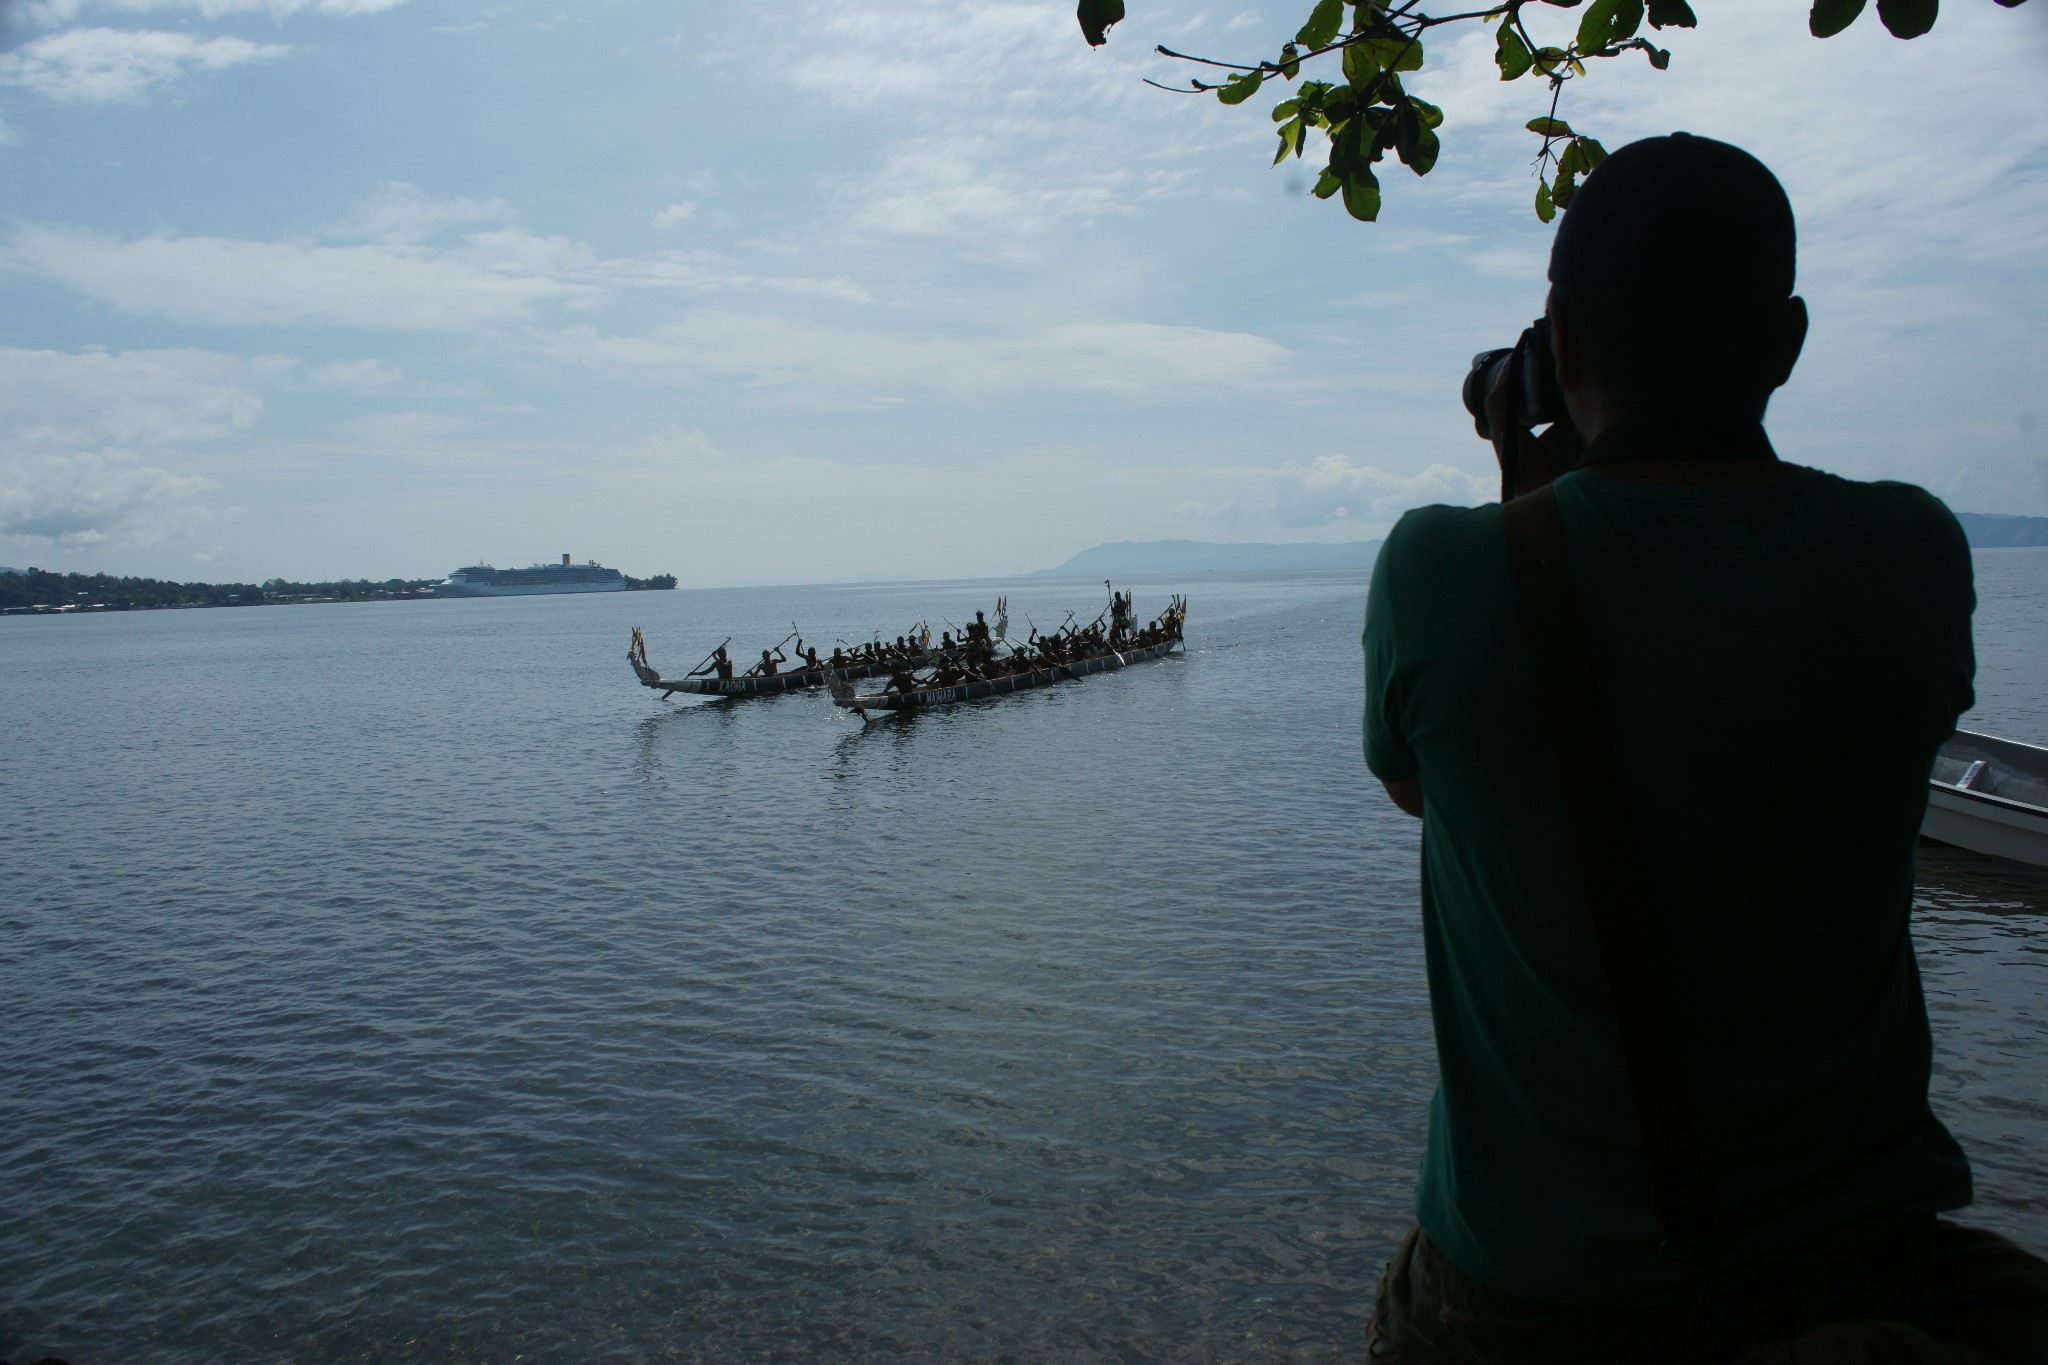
[{"x": 777, "y": 650}]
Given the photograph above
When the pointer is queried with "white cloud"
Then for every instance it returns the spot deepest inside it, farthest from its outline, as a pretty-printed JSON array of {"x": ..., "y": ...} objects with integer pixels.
[
  {"x": 53, "y": 12},
  {"x": 493, "y": 277},
  {"x": 223, "y": 281},
  {"x": 951, "y": 186},
  {"x": 121, "y": 66},
  {"x": 1329, "y": 493},
  {"x": 356, "y": 376},
  {"x": 676, "y": 444},
  {"x": 1330, "y": 490},
  {"x": 674, "y": 213},
  {"x": 399, "y": 212},
  {"x": 62, "y": 400},
  {"x": 982, "y": 159},
  {"x": 402, "y": 431},
  {"x": 71, "y": 469},
  {"x": 838, "y": 366},
  {"x": 84, "y": 500}
]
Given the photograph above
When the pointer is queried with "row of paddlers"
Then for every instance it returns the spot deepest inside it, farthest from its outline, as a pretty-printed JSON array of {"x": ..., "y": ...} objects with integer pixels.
[{"x": 975, "y": 666}]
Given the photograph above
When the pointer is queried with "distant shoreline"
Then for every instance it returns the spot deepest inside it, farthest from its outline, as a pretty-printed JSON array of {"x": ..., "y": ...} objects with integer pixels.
[
  {"x": 1984, "y": 530},
  {"x": 35, "y": 592}
]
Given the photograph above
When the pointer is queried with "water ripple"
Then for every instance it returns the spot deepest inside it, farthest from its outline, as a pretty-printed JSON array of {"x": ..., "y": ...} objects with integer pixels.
[{"x": 400, "y": 981}]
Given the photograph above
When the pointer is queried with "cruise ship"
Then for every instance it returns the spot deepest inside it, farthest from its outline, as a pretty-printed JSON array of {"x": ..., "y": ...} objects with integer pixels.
[{"x": 481, "y": 580}]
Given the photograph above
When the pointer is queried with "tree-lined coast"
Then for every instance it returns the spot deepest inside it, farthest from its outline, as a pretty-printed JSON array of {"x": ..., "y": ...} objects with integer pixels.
[{"x": 38, "y": 592}]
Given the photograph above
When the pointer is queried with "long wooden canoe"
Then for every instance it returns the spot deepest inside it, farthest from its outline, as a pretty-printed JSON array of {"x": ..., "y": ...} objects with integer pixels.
[
  {"x": 1990, "y": 795},
  {"x": 995, "y": 687},
  {"x": 796, "y": 680}
]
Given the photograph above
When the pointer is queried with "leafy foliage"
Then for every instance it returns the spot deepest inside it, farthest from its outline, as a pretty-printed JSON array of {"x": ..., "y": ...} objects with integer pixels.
[
  {"x": 1096, "y": 16},
  {"x": 1369, "y": 113}
]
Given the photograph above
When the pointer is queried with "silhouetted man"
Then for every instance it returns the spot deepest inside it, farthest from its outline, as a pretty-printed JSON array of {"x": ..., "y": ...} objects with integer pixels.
[
  {"x": 721, "y": 663},
  {"x": 1777, "y": 653}
]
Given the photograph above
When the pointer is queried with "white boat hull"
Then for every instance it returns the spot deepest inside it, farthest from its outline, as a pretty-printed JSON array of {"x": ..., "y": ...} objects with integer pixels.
[{"x": 1990, "y": 795}]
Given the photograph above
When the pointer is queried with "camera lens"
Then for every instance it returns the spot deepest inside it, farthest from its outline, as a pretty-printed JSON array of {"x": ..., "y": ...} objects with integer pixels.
[{"x": 1479, "y": 381}]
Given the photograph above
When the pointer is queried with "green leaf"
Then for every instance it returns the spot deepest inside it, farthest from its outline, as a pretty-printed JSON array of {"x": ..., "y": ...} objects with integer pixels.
[
  {"x": 1511, "y": 54},
  {"x": 1359, "y": 67},
  {"x": 1671, "y": 14},
  {"x": 1830, "y": 17},
  {"x": 1421, "y": 158},
  {"x": 1547, "y": 59},
  {"x": 1549, "y": 127},
  {"x": 1326, "y": 185},
  {"x": 1362, "y": 195},
  {"x": 1431, "y": 116},
  {"x": 1346, "y": 148},
  {"x": 1290, "y": 65},
  {"x": 1096, "y": 16},
  {"x": 1907, "y": 18},
  {"x": 1396, "y": 53},
  {"x": 1561, "y": 193},
  {"x": 1596, "y": 25},
  {"x": 1660, "y": 59},
  {"x": 1590, "y": 151},
  {"x": 1238, "y": 89},
  {"x": 1573, "y": 161},
  {"x": 1544, "y": 208},
  {"x": 1286, "y": 109},
  {"x": 1290, "y": 140},
  {"x": 1323, "y": 23}
]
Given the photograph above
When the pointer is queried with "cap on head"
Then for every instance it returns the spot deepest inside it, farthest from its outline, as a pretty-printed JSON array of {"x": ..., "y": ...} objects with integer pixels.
[{"x": 1679, "y": 212}]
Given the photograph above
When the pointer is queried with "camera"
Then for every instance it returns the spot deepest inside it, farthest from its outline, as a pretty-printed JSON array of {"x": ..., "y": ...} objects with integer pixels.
[{"x": 1534, "y": 399}]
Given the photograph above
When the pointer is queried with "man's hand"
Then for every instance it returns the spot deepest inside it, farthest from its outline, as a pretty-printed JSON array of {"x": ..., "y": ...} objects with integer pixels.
[{"x": 1527, "y": 461}]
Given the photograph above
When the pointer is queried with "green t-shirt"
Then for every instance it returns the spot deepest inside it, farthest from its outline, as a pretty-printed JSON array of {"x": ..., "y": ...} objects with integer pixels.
[{"x": 1779, "y": 662}]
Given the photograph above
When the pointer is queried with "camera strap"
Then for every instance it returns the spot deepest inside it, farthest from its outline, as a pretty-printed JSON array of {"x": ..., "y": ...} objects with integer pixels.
[{"x": 1635, "y": 953}]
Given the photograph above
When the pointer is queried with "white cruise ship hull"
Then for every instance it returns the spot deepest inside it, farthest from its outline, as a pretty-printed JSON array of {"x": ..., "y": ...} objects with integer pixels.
[{"x": 451, "y": 588}]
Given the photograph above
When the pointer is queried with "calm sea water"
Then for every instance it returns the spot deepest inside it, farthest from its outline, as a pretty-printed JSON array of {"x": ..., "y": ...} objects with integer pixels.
[{"x": 400, "y": 981}]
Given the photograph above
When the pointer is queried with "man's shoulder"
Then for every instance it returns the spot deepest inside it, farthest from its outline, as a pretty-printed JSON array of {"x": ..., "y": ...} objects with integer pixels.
[
  {"x": 1439, "y": 527},
  {"x": 1881, "y": 496},
  {"x": 1895, "y": 520}
]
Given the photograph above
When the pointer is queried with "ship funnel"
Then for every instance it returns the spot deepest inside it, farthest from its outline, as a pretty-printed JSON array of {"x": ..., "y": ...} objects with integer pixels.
[{"x": 565, "y": 561}]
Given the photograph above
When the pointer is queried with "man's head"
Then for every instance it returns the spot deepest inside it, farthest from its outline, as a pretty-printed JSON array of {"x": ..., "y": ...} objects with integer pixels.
[{"x": 1671, "y": 285}]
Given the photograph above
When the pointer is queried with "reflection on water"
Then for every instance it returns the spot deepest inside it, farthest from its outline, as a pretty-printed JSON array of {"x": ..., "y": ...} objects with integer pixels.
[
  {"x": 1957, "y": 879},
  {"x": 1981, "y": 926}
]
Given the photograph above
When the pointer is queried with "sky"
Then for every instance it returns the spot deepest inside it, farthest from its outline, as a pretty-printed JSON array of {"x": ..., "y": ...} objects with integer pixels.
[{"x": 800, "y": 292}]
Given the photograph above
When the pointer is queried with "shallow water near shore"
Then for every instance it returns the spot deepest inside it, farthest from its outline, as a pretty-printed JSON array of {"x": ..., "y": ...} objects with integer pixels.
[{"x": 395, "y": 981}]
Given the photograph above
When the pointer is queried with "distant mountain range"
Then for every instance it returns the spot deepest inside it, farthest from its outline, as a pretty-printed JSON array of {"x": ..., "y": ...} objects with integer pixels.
[
  {"x": 1995, "y": 530},
  {"x": 1203, "y": 556},
  {"x": 1986, "y": 531}
]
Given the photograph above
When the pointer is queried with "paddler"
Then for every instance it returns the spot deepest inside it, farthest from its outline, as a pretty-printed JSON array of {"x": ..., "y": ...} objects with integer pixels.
[{"x": 721, "y": 664}]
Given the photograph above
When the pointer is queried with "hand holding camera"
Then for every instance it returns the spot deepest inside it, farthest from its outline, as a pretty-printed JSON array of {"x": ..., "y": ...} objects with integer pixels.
[{"x": 1509, "y": 393}]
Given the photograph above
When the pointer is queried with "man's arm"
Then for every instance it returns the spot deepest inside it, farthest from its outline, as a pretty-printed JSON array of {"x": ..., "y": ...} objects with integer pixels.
[
  {"x": 1407, "y": 795},
  {"x": 1387, "y": 753}
]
